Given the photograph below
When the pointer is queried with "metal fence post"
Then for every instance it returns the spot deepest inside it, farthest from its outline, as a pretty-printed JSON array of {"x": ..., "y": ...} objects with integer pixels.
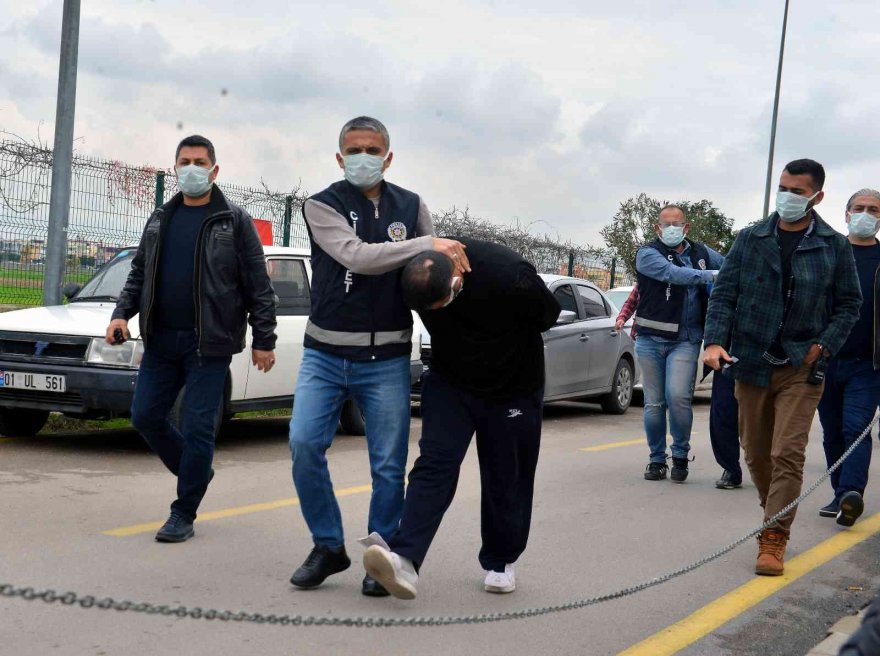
[
  {"x": 613, "y": 272},
  {"x": 62, "y": 156},
  {"x": 288, "y": 215},
  {"x": 570, "y": 263},
  {"x": 160, "y": 188}
]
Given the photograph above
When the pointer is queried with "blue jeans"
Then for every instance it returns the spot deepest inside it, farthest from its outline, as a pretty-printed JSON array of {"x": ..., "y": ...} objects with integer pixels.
[
  {"x": 668, "y": 371},
  {"x": 170, "y": 362},
  {"x": 382, "y": 391},
  {"x": 850, "y": 399}
]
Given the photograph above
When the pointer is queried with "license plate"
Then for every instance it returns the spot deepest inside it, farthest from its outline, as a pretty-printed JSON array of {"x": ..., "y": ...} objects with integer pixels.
[{"x": 36, "y": 382}]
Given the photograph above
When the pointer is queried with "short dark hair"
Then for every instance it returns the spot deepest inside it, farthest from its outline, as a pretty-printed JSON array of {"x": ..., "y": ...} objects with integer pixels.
[
  {"x": 426, "y": 280},
  {"x": 197, "y": 140},
  {"x": 809, "y": 167},
  {"x": 672, "y": 206}
]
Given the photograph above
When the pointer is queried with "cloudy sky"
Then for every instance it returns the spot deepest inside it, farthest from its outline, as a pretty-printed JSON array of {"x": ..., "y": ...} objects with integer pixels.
[{"x": 549, "y": 112}]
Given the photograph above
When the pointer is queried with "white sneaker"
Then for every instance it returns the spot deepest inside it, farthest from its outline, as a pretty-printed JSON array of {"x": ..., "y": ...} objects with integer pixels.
[
  {"x": 501, "y": 582},
  {"x": 394, "y": 572}
]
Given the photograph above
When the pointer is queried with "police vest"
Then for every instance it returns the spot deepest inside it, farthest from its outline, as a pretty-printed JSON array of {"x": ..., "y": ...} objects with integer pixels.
[
  {"x": 660, "y": 303},
  {"x": 357, "y": 316}
]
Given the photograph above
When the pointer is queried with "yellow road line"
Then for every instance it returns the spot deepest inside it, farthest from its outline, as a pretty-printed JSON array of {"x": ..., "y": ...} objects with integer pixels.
[
  {"x": 125, "y": 531},
  {"x": 682, "y": 634},
  {"x": 613, "y": 445}
]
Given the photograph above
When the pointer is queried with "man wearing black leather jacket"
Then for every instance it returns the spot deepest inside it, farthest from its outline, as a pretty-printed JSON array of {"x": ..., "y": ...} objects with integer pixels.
[{"x": 199, "y": 276}]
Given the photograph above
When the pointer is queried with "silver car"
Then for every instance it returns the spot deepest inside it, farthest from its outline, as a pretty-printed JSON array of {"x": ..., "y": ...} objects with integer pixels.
[{"x": 585, "y": 357}]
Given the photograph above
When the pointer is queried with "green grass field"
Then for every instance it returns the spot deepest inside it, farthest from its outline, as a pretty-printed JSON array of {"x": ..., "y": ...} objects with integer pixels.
[{"x": 25, "y": 287}]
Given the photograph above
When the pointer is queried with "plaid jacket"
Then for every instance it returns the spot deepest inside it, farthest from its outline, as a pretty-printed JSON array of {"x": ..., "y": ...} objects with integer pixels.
[
  {"x": 629, "y": 308},
  {"x": 746, "y": 305}
]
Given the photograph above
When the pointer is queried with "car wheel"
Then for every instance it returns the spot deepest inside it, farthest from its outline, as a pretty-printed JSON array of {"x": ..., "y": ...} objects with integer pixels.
[
  {"x": 177, "y": 409},
  {"x": 19, "y": 422},
  {"x": 352, "y": 419},
  {"x": 617, "y": 401}
]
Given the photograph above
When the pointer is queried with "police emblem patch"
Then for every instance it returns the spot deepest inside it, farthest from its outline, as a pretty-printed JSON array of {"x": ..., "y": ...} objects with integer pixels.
[
  {"x": 702, "y": 264},
  {"x": 397, "y": 231}
]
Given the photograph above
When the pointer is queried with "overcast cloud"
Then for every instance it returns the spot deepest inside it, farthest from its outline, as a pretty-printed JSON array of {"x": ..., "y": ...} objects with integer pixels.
[{"x": 553, "y": 111}]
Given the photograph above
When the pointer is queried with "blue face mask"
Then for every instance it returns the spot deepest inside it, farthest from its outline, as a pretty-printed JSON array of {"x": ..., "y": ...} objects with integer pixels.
[
  {"x": 863, "y": 225},
  {"x": 362, "y": 170},
  {"x": 792, "y": 207},
  {"x": 193, "y": 180},
  {"x": 672, "y": 235}
]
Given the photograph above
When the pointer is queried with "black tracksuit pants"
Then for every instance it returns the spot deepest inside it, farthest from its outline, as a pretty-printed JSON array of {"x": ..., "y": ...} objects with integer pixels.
[
  {"x": 508, "y": 439},
  {"x": 724, "y": 424}
]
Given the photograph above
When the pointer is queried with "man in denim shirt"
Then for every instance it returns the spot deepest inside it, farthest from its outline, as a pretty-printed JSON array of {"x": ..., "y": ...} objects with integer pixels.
[{"x": 672, "y": 276}]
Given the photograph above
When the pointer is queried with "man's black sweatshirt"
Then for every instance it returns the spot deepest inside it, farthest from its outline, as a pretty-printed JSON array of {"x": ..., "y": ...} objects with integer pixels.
[{"x": 488, "y": 340}]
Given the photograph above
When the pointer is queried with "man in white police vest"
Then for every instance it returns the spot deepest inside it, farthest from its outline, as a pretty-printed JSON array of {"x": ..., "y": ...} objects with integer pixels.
[{"x": 358, "y": 340}]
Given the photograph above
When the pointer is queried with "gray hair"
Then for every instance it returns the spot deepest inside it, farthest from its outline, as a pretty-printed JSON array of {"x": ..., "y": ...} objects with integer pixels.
[
  {"x": 365, "y": 123},
  {"x": 873, "y": 193}
]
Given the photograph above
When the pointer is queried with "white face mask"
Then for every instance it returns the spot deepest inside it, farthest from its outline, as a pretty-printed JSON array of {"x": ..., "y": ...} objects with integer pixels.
[
  {"x": 193, "y": 180},
  {"x": 792, "y": 207},
  {"x": 362, "y": 170},
  {"x": 672, "y": 235},
  {"x": 863, "y": 225},
  {"x": 453, "y": 292}
]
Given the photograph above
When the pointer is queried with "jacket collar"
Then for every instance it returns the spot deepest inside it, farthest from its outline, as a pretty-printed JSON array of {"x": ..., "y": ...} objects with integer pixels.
[
  {"x": 216, "y": 204},
  {"x": 767, "y": 228}
]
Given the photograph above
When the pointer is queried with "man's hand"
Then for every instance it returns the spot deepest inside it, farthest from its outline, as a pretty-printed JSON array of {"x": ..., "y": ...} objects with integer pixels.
[
  {"x": 715, "y": 356},
  {"x": 263, "y": 360},
  {"x": 455, "y": 251},
  {"x": 618, "y": 325},
  {"x": 813, "y": 354},
  {"x": 121, "y": 324}
]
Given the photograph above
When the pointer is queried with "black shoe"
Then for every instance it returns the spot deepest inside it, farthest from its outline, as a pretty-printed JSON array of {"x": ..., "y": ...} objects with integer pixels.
[
  {"x": 851, "y": 508},
  {"x": 321, "y": 563},
  {"x": 655, "y": 471},
  {"x": 679, "y": 471},
  {"x": 177, "y": 529},
  {"x": 728, "y": 481},
  {"x": 830, "y": 510},
  {"x": 372, "y": 588}
]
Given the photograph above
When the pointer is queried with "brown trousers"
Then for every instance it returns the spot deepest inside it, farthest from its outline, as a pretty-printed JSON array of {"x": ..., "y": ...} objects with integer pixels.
[{"x": 774, "y": 426}]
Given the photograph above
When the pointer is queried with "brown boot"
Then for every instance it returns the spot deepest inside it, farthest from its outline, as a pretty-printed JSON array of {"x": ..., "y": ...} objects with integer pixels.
[{"x": 771, "y": 549}]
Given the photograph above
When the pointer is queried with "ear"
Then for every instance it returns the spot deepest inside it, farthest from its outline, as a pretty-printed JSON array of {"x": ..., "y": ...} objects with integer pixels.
[
  {"x": 388, "y": 161},
  {"x": 818, "y": 199},
  {"x": 214, "y": 173},
  {"x": 340, "y": 161}
]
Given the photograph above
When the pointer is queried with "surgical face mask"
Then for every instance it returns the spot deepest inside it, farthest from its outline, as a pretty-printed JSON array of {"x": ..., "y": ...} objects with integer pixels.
[
  {"x": 792, "y": 207},
  {"x": 453, "y": 292},
  {"x": 362, "y": 170},
  {"x": 672, "y": 235},
  {"x": 862, "y": 224},
  {"x": 193, "y": 180}
]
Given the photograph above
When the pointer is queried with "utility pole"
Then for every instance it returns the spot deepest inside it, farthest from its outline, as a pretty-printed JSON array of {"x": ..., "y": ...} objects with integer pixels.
[
  {"x": 62, "y": 156},
  {"x": 775, "y": 114}
]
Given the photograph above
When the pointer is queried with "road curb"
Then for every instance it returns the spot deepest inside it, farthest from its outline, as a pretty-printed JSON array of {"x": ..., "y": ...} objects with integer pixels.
[{"x": 838, "y": 634}]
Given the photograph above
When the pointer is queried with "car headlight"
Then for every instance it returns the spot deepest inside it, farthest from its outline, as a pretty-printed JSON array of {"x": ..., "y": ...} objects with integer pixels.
[{"x": 128, "y": 354}]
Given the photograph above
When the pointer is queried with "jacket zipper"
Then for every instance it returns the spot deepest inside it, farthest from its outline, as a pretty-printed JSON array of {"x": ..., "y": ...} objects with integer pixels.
[
  {"x": 197, "y": 288},
  {"x": 373, "y": 289}
]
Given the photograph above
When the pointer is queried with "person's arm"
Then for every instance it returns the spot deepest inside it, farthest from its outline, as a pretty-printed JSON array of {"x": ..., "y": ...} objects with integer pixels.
[
  {"x": 846, "y": 297},
  {"x": 722, "y": 304},
  {"x": 425, "y": 223},
  {"x": 716, "y": 259},
  {"x": 532, "y": 300},
  {"x": 629, "y": 306},
  {"x": 128, "y": 303},
  {"x": 651, "y": 263},
  {"x": 256, "y": 288},
  {"x": 339, "y": 240}
]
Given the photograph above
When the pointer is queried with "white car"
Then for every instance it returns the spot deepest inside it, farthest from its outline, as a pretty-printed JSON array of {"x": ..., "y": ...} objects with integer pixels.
[
  {"x": 55, "y": 359},
  {"x": 618, "y": 297}
]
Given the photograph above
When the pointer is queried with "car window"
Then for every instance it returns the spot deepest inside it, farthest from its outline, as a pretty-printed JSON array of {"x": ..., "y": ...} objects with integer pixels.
[
  {"x": 618, "y": 298},
  {"x": 594, "y": 304},
  {"x": 110, "y": 279},
  {"x": 291, "y": 286},
  {"x": 565, "y": 296}
]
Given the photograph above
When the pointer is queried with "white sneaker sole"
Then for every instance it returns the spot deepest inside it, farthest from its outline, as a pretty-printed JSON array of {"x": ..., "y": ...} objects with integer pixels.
[
  {"x": 378, "y": 563},
  {"x": 499, "y": 589}
]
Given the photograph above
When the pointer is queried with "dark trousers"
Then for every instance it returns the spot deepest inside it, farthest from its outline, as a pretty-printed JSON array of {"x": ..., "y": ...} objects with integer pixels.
[
  {"x": 848, "y": 404},
  {"x": 170, "y": 362},
  {"x": 724, "y": 424},
  {"x": 508, "y": 439}
]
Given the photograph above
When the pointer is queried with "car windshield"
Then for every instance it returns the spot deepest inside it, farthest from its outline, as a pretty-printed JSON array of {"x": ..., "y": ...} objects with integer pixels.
[
  {"x": 106, "y": 285},
  {"x": 617, "y": 297}
]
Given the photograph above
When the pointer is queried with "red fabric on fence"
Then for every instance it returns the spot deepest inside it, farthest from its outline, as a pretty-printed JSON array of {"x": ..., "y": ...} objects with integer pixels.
[{"x": 264, "y": 229}]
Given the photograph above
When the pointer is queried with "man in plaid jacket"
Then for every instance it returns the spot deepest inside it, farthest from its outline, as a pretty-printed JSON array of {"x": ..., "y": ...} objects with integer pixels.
[{"x": 787, "y": 295}]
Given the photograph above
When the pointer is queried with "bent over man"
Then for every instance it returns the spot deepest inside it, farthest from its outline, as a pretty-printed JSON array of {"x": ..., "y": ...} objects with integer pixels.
[
  {"x": 358, "y": 340},
  {"x": 198, "y": 277},
  {"x": 486, "y": 377}
]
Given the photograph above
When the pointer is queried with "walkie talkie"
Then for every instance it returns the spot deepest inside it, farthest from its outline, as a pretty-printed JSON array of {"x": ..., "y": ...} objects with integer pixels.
[
  {"x": 818, "y": 370},
  {"x": 118, "y": 336}
]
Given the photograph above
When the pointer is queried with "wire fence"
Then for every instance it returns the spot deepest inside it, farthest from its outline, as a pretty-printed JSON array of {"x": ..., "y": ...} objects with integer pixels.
[{"x": 110, "y": 202}]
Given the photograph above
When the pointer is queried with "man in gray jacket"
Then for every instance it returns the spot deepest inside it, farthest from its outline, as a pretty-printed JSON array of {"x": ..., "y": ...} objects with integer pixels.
[{"x": 358, "y": 340}]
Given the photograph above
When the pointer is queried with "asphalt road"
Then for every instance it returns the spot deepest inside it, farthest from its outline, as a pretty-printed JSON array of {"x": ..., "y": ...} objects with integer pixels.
[{"x": 597, "y": 527}]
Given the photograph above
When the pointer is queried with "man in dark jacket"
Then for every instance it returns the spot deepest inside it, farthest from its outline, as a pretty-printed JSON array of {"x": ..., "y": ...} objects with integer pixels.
[
  {"x": 788, "y": 295},
  {"x": 198, "y": 277},
  {"x": 363, "y": 230},
  {"x": 487, "y": 376},
  {"x": 852, "y": 385}
]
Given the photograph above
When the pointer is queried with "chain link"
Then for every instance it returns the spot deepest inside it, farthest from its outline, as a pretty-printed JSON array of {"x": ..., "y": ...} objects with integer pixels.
[{"x": 108, "y": 603}]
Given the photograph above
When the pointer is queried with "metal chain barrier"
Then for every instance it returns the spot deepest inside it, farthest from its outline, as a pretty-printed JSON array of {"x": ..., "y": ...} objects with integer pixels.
[{"x": 108, "y": 603}]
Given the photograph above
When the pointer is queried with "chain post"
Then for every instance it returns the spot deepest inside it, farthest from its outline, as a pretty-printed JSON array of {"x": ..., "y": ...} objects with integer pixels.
[
  {"x": 613, "y": 272},
  {"x": 288, "y": 215},
  {"x": 571, "y": 263},
  {"x": 160, "y": 188}
]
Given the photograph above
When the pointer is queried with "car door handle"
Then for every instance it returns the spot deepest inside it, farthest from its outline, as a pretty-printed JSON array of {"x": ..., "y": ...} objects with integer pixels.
[
  {"x": 613, "y": 333},
  {"x": 584, "y": 338}
]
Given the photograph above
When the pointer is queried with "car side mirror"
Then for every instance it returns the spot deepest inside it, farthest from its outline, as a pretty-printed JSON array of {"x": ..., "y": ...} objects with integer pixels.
[
  {"x": 70, "y": 290},
  {"x": 566, "y": 317}
]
